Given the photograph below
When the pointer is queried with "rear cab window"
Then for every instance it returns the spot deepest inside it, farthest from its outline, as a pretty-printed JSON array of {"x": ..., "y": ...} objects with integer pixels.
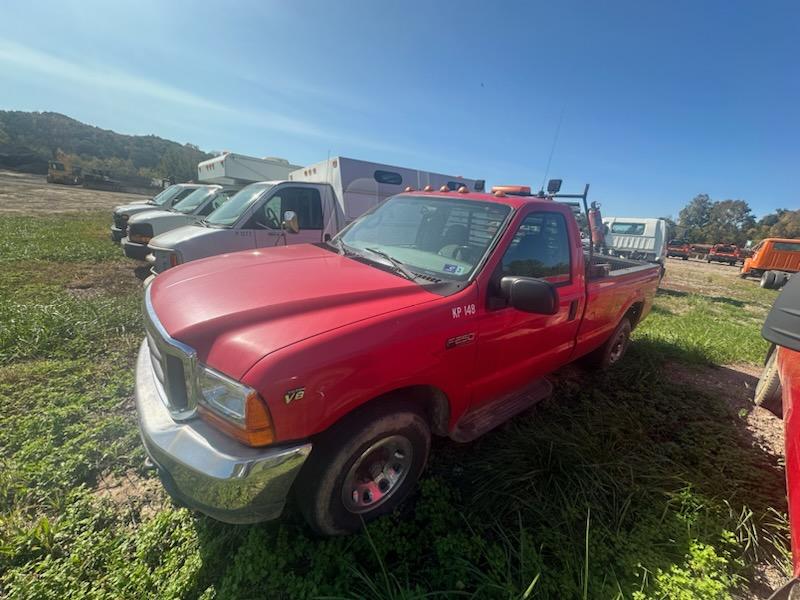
[{"x": 627, "y": 228}]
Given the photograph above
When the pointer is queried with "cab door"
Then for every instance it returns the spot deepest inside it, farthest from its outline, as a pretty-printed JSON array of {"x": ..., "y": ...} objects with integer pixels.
[
  {"x": 516, "y": 347},
  {"x": 304, "y": 200}
]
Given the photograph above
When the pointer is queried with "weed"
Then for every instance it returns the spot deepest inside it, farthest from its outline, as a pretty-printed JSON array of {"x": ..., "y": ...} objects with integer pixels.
[{"x": 624, "y": 485}]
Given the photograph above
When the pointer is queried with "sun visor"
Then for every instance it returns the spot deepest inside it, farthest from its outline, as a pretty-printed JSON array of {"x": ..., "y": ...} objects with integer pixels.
[{"x": 782, "y": 326}]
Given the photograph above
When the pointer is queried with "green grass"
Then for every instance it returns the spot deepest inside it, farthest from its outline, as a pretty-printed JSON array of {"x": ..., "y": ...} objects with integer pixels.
[{"x": 624, "y": 485}]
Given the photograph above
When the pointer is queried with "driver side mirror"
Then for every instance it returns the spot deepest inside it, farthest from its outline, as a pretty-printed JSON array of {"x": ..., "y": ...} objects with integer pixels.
[
  {"x": 290, "y": 222},
  {"x": 529, "y": 294}
]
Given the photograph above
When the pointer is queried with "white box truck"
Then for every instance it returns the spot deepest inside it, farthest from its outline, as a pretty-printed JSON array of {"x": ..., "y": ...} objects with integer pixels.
[
  {"x": 324, "y": 197},
  {"x": 636, "y": 238},
  {"x": 238, "y": 170},
  {"x": 361, "y": 184}
]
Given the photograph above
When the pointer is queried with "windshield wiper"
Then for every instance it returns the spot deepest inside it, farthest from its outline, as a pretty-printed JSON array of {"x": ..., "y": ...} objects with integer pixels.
[{"x": 399, "y": 266}]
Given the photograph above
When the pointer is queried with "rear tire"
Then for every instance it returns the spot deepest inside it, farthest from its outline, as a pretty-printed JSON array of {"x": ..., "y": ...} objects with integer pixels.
[
  {"x": 612, "y": 351},
  {"x": 684, "y": 258},
  {"x": 768, "y": 280},
  {"x": 363, "y": 467},
  {"x": 781, "y": 277},
  {"x": 768, "y": 389}
]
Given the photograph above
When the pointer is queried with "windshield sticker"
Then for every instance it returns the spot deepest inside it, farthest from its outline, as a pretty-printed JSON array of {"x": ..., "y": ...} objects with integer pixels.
[{"x": 455, "y": 269}]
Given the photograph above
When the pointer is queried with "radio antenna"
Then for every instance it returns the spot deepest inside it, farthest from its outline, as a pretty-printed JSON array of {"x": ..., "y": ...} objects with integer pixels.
[{"x": 553, "y": 147}]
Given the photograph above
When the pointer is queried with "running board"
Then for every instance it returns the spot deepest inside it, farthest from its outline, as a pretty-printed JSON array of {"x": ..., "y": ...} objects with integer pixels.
[{"x": 476, "y": 422}]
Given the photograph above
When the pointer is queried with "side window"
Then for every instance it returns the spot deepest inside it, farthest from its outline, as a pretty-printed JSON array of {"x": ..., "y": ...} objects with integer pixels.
[
  {"x": 388, "y": 177},
  {"x": 540, "y": 248},
  {"x": 306, "y": 202}
]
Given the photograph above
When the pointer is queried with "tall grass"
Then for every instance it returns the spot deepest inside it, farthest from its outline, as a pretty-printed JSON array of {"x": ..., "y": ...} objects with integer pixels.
[{"x": 624, "y": 485}]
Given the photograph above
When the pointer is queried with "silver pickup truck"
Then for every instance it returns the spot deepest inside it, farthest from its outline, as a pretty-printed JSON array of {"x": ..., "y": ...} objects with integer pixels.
[
  {"x": 169, "y": 197},
  {"x": 144, "y": 226}
]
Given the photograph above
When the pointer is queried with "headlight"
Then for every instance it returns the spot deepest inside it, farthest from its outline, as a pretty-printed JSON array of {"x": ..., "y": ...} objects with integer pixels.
[
  {"x": 125, "y": 217},
  {"x": 234, "y": 408},
  {"x": 223, "y": 395}
]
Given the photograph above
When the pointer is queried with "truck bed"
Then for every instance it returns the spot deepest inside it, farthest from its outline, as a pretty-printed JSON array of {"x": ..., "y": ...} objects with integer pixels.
[{"x": 603, "y": 266}]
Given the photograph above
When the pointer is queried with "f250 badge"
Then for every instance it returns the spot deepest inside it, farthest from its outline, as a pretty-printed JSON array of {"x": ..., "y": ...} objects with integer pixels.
[{"x": 292, "y": 395}]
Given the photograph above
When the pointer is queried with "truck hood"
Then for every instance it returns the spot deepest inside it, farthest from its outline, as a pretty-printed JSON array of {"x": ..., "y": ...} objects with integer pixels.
[
  {"x": 162, "y": 220},
  {"x": 173, "y": 238},
  {"x": 234, "y": 309},
  {"x": 132, "y": 209}
]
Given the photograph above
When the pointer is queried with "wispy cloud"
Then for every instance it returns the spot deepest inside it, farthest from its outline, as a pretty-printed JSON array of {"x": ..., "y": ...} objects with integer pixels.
[{"x": 102, "y": 78}]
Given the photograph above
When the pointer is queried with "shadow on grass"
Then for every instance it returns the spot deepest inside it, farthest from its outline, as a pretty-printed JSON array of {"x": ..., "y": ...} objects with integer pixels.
[
  {"x": 681, "y": 294},
  {"x": 648, "y": 465}
]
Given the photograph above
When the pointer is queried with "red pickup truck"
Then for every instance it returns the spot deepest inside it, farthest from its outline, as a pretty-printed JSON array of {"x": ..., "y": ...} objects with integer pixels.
[
  {"x": 778, "y": 390},
  {"x": 324, "y": 369},
  {"x": 725, "y": 253}
]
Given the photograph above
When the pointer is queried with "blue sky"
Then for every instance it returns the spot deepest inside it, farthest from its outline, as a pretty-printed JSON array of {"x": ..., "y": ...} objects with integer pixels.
[{"x": 660, "y": 101}]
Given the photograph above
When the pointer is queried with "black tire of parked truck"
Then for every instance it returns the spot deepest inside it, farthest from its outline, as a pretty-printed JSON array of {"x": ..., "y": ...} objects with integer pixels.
[
  {"x": 768, "y": 389},
  {"x": 768, "y": 280},
  {"x": 363, "y": 467},
  {"x": 612, "y": 351}
]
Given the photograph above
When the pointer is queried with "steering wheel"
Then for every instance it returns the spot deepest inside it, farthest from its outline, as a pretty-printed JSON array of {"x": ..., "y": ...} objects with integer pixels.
[{"x": 272, "y": 219}]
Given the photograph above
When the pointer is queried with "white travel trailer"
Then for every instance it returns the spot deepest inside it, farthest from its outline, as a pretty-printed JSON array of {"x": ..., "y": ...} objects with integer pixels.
[
  {"x": 323, "y": 198},
  {"x": 635, "y": 238},
  {"x": 361, "y": 184},
  {"x": 237, "y": 170}
]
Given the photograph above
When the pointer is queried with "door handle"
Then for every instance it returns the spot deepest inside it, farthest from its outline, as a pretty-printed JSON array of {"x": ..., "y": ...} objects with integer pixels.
[{"x": 573, "y": 310}]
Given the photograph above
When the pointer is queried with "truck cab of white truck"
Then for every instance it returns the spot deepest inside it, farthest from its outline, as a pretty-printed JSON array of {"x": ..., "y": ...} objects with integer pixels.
[
  {"x": 323, "y": 197},
  {"x": 636, "y": 238}
]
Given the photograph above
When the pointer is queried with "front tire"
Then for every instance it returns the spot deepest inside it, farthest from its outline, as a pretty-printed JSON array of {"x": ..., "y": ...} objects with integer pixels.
[
  {"x": 768, "y": 389},
  {"x": 768, "y": 280},
  {"x": 363, "y": 467}
]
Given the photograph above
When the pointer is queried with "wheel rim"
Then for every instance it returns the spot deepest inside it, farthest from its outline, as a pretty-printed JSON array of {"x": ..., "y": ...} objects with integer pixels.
[
  {"x": 618, "y": 347},
  {"x": 377, "y": 474}
]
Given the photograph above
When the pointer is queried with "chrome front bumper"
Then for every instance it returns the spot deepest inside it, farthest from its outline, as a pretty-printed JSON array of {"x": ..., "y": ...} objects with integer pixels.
[{"x": 207, "y": 470}]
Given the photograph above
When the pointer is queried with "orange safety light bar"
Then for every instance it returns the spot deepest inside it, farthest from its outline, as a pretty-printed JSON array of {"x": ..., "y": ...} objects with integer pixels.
[{"x": 513, "y": 190}]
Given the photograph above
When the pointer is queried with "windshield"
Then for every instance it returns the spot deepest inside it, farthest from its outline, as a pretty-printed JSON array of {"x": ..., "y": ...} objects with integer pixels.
[
  {"x": 442, "y": 237},
  {"x": 193, "y": 201},
  {"x": 168, "y": 194},
  {"x": 227, "y": 214}
]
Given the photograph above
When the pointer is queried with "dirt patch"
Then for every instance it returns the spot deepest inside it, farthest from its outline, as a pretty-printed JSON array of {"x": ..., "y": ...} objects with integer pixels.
[
  {"x": 131, "y": 492},
  {"x": 23, "y": 193},
  {"x": 736, "y": 385},
  {"x": 82, "y": 279}
]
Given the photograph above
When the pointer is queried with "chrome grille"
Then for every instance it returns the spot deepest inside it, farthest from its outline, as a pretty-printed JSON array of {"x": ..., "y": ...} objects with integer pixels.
[{"x": 173, "y": 365}]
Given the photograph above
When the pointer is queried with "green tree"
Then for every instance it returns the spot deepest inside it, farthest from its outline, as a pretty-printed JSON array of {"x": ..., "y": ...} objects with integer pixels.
[
  {"x": 694, "y": 218},
  {"x": 729, "y": 222}
]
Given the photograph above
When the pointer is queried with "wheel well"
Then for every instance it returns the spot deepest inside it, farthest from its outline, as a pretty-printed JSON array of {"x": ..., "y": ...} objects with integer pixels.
[
  {"x": 431, "y": 400},
  {"x": 634, "y": 313}
]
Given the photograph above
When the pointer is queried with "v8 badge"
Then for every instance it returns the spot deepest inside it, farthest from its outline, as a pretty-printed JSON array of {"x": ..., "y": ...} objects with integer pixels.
[{"x": 292, "y": 395}]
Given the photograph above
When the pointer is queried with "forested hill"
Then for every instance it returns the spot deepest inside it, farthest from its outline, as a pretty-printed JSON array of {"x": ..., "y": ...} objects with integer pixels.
[{"x": 29, "y": 139}]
